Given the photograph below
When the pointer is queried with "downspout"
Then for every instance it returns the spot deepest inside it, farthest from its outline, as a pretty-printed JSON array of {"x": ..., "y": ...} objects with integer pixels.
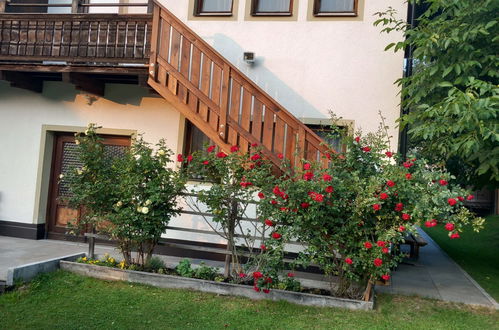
[{"x": 403, "y": 133}]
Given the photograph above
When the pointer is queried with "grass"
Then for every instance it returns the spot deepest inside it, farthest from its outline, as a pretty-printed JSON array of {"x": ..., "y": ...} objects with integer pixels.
[
  {"x": 62, "y": 300},
  {"x": 476, "y": 253}
]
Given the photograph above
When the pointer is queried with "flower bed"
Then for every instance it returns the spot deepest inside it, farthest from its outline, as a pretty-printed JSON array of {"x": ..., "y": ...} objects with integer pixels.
[{"x": 177, "y": 282}]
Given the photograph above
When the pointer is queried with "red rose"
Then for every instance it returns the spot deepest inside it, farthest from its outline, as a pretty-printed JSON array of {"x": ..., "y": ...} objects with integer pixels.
[
  {"x": 291, "y": 274},
  {"x": 241, "y": 275},
  {"x": 256, "y": 157},
  {"x": 221, "y": 154},
  {"x": 349, "y": 261},
  {"x": 401, "y": 228},
  {"x": 357, "y": 139},
  {"x": 276, "y": 235},
  {"x": 366, "y": 149},
  {"x": 180, "y": 158},
  {"x": 329, "y": 189},
  {"x": 390, "y": 183},
  {"x": 385, "y": 250},
  {"x": 210, "y": 148},
  {"x": 399, "y": 207},
  {"x": 449, "y": 226},
  {"x": 443, "y": 182},
  {"x": 257, "y": 289},
  {"x": 431, "y": 223},
  {"x": 276, "y": 190},
  {"x": 189, "y": 158},
  {"x": 284, "y": 196},
  {"x": 234, "y": 149},
  {"x": 408, "y": 176},
  {"x": 454, "y": 235},
  {"x": 386, "y": 277},
  {"x": 383, "y": 196},
  {"x": 461, "y": 198},
  {"x": 257, "y": 275},
  {"x": 254, "y": 145},
  {"x": 308, "y": 176},
  {"x": 273, "y": 202},
  {"x": 406, "y": 216},
  {"x": 376, "y": 207},
  {"x": 368, "y": 245},
  {"x": 246, "y": 184},
  {"x": 378, "y": 262},
  {"x": 451, "y": 201},
  {"x": 261, "y": 195},
  {"x": 389, "y": 154},
  {"x": 280, "y": 156},
  {"x": 407, "y": 164},
  {"x": 268, "y": 280},
  {"x": 326, "y": 177},
  {"x": 269, "y": 222},
  {"x": 381, "y": 243},
  {"x": 304, "y": 205},
  {"x": 283, "y": 209},
  {"x": 470, "y": 197},
  {"x": 266, "y": 290},
  {"x": 206, "y": 162},
  {"x": 263, "y": 247},
  {"x": 306, "y": 166},
  {"x": 319, "y": 197}
]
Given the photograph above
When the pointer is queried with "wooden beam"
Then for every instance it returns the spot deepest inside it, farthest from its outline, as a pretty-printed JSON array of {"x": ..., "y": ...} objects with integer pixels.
[
  {"x": 84, "y": 82},
  {"x": 23, "y": 80},
  {"x": 75, "y": 68}
]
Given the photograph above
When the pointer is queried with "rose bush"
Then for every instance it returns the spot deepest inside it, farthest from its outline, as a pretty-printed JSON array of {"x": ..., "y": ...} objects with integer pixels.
[
  {"x": 130, "y": 198},
  {"x": 351, "y": 215}
]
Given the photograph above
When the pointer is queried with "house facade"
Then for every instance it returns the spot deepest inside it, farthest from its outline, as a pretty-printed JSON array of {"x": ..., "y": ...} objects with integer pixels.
[{"x": 233, "y": 71}]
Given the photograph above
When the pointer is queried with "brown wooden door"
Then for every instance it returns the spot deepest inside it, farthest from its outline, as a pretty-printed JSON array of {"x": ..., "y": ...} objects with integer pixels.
[{"x": 64, "y": 159}]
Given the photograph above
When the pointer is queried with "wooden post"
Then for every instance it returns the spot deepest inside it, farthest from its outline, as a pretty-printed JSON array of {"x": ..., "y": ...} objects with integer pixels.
[
  {"x": 3, "y": 3},
  {"x": 75, "y": 6}
]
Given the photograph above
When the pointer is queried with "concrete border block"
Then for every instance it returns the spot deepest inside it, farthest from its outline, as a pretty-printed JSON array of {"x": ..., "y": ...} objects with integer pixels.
[
  {"x": 177, "y": 282},
  {"x": 29, "y": 271}
]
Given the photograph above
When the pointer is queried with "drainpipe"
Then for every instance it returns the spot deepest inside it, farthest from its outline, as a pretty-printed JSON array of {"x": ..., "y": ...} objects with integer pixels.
[{"x": 403, "y": 136}]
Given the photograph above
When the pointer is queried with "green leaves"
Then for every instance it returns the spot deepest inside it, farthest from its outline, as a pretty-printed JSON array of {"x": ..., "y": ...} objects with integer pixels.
[{"x": 453, "y": 91}]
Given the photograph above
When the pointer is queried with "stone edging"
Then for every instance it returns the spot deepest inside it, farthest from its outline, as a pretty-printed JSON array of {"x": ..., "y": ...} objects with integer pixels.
[{"x": 177, "y": 282}]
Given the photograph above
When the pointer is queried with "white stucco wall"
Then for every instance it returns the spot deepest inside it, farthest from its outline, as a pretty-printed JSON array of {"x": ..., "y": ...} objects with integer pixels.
[
  {"x": 311, "y": 67},
  {"x": 22, "y": 114}
]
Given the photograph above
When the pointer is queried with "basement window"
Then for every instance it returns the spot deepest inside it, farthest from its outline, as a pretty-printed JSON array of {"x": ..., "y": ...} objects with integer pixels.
[
  {"x": 335, "y": 7},
  {"x": 272, "y": 7},
  {"x": 213, "y": 8}
]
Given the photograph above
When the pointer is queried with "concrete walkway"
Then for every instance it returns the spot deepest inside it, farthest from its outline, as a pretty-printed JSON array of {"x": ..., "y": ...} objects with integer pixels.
[{"x": 434, "y": 275}]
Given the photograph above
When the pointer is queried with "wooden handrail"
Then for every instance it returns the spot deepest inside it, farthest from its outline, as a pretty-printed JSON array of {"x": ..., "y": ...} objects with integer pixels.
[{"x": 219, "y": 99}]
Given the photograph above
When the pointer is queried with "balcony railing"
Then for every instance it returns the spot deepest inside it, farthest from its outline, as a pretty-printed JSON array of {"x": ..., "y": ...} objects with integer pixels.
[{"x": 75, "y": 38}]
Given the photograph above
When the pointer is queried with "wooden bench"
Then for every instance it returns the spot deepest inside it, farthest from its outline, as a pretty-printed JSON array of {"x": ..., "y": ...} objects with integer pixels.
[{"x": 414, "y": 242}]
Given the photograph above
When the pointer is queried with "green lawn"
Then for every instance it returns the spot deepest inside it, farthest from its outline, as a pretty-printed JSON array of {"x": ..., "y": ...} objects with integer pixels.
[
  {"x": 63, "y": 300},
  {"x": 477, "y": 253}
]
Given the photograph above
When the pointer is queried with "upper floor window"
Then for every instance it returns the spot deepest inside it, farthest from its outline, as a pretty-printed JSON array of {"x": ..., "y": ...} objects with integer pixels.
[
  {"x": 335, "y": 7},
  {"x": 213, "y": 8},
  {"x": 272, "y": 7}
]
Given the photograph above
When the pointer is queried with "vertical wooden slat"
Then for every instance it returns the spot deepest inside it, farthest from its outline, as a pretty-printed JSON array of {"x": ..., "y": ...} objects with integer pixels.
[
  {"x": 235, "y": 102},
  {"x": 175, "y": 49},
  {"x": 184, "y": 68},
  {"x": 246, "y": 116},
  {"x": 216, "y": 84},
  {"x": 164, "y": 39},
  {"x": 194, "y": 78},
  {"x": 279, "y": 136},
  {"x": 205, "y": 86},
  {"x": 301, "y": 142},
  {"x": 224, "y": 106},
  {"x": 256, "y": 123},
  {"x": 290, "y": 145},
  {"x": 268, "y": 128}
]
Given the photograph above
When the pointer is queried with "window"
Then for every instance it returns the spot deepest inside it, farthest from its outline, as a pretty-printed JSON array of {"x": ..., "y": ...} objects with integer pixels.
[
  {"x": 272, "y": 7},
  {"x": 213, "y": 8},
  {"x": 194, "y": 139},
  {"x": 335, "y": 7},
  {"x": 325, "y": 133}
]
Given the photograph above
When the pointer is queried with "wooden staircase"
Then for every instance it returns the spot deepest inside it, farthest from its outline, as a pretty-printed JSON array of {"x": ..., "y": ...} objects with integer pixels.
[{"x": 220, "y": 100}]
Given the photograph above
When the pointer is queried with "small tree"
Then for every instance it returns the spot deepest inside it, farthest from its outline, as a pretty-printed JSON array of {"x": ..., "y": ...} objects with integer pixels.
[
  {"x": 452, "y": 95},
  {"x": 130, "y": 198},
  {"x": 233, "y": 179}
]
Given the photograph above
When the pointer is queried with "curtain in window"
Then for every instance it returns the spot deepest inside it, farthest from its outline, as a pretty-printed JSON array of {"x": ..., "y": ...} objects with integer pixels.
[
  {"x": 273, "y": 6},
  {"x": 336, "y": 5},
  {"x": 216, "y": 6}
]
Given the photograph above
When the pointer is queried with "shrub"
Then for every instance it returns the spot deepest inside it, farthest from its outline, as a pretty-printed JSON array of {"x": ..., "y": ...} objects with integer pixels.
[
  {"x": 130, "y": 198},
  {"x": 184, "y": 268},
  {"x": 351, "y": 216},
  {"x": 154, "y": 264}
]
